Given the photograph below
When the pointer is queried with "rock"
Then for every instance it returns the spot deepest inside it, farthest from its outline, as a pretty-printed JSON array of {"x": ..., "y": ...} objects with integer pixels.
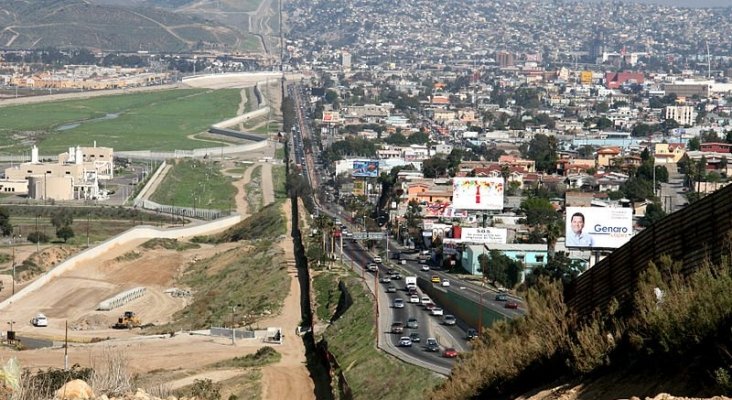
[{"x": 75, "y": 390}]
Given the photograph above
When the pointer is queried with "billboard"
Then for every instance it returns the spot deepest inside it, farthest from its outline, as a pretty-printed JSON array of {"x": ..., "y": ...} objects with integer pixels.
[
  {"x": 442, "y": 210},
  {"x": 598, "y": 227},
  {"x": 477, "y": 193},
  {"x": 366, "y": 168},
  {"x": 484, "y": 235}
]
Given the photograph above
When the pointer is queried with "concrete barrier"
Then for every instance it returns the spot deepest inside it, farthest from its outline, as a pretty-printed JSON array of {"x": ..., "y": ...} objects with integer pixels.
[
  {"x": 121, "y": 299},
  {"x": 130, "y": 235}
]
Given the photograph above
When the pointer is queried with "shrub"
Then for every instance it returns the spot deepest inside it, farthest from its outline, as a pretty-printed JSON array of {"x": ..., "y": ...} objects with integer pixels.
[{"x": 38, "y": 237}]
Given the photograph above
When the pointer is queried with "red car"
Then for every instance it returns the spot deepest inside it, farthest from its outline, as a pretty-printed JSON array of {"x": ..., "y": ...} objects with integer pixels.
[
  {"x": 511, "y": 304},
  {"x": 450, "y": 353}
]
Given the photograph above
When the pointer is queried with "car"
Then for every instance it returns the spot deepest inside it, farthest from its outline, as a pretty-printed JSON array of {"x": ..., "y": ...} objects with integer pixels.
[
  {"x": 435, "y": 279},
  {"x": 429, "y": 306},
  {"x": 398, "y": 303},
  {"x": 445, "y": 283},
  {"x": 385, "y": 279},
  {"x": 415, "y": 337},
  {"x": 425, "y": 267},
  {"x": 424, "y": 300},
  {"x": 412, "y": 323},
  {"x": 397, "y": 327},
  {"x": 471, "y": 334},
  {"x": 377, "y": 260},
  {"x": 405, "y": 341},
  {"x": 396, "y": 276},
  {"x": 391, "y": 289},
  {"x": 449, "y": 319},
  {"x": 501, "y": 297},
  {"x": 511, "y": 304},
  {"x": 414, "y": 299},
  {"x": 436, "y": 311},
  {"x": 432, "y": 345},
  {"x": 372, "y": 267},
  {"x": 449, "y": 353},
  {"x": 39, "y": 320},
  {"x": 412, "y": 290}
]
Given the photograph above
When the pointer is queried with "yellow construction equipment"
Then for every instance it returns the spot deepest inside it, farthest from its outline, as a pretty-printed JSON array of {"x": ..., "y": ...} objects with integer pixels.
[{"x": 127, "y": 321}]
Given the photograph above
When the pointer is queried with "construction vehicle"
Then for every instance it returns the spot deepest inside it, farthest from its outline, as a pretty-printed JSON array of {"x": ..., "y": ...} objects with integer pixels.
[{"x": 128, "y": 320}]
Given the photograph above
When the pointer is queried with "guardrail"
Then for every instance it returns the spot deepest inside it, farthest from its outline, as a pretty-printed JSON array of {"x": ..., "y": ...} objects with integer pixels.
[{"x": 121, "y": 299}]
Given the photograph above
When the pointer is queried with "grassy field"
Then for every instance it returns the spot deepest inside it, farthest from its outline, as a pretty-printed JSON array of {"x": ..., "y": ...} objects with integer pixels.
[
  {"x": 199, "y": 182},
  {"x": 370, "y": 373},
  {"x": 278, "y": 181},
  {"x": 159, "y": 120}
]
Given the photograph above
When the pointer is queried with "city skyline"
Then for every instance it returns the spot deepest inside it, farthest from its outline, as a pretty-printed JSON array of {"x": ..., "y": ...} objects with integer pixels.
[{"x": 682, "y": 3}]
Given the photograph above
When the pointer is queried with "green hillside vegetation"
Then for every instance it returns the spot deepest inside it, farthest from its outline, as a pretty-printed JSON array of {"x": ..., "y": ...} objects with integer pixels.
[
  {"x": 233, "y": 287},
  {"x": 196, "y": 183},
  {"x": 76, "y": 23},
  {"x": 370, "y": 373},
  {"x": 160, "y": 120},
  {"x": 266, "y": 225},
  {"x": 681, "y": 335}
]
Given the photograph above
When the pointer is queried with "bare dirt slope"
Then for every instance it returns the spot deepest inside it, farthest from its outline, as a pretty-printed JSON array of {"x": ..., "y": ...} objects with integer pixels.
[
  {"x": 289, "y": 378},
  {"x": 73, "y": 298}
]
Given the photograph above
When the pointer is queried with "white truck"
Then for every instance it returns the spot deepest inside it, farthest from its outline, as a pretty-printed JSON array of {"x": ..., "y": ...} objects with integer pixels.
[
  {"x": 410, "y": 281},
  {"x": 39, "y": 320}
]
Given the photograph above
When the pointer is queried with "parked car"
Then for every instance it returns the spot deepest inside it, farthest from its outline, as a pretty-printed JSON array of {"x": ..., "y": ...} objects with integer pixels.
[
  {"x": 435, "y": 279},
  {"x": 398, "y": 303},
  {"x": 436, "y": 311},
  {"x": 471, "y": 334},
  {"x": 501, "y": 297},
  {"x": 405, "y": 341},
  {"x": 512, "y": 304},
  {"x": 412, "y": 323},
  {"x": 450, "y": 353},
  {"x": 449, "y": 319},
  {"x": 39, "y": 320},
  {"x": 397, "y": 327},
  {"x": 432, "y": 345},
  {"x": 414, "y": 299},
  {"x": 391, "y": 289}
]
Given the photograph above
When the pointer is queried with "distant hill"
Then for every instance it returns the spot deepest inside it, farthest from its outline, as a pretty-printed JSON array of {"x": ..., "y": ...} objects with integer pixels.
[{"x": 78, "y": 23}]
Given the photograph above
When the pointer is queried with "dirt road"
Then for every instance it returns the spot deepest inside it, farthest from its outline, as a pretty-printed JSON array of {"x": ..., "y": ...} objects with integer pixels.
[{"x": 288, "y": 379}]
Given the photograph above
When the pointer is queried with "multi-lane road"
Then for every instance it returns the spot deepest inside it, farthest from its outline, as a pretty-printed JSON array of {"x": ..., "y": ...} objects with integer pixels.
[{"x": 357, "y": 257}]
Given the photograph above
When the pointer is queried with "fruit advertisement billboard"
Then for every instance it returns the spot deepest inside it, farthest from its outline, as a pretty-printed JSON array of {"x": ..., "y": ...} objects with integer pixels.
[{"x": 477, "y": 193}]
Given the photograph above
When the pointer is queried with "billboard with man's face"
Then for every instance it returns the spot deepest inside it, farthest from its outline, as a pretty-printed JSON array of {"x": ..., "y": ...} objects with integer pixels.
[
  {"x": 366, "y": 168},
  {"x": 598, "y": 227},
  {"x": 477, "y": 193}
]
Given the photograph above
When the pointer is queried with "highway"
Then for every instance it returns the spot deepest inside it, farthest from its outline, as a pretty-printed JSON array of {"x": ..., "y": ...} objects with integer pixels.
[{"x": 356, "y": 256}]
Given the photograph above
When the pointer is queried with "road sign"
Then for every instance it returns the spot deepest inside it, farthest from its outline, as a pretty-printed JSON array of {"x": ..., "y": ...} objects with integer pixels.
[{"x": 368, "y": 235}]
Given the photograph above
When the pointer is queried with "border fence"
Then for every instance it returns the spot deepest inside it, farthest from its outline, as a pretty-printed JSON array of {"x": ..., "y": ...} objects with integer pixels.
[{"x": 693, "y": 235}]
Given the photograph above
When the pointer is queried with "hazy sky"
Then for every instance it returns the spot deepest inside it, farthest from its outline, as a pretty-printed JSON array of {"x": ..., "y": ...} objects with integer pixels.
[{"x": 685, "y": 3}]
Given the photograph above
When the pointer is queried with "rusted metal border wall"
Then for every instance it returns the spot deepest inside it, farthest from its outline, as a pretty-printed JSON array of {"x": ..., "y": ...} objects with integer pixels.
[{"x": 693, "y": 235}]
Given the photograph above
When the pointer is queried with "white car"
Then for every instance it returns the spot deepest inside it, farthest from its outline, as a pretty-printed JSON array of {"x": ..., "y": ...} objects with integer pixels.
[
  {"x": 445, "y": 283},
  {"x": 377, "y": 260},
  {"x": 424, "y": 300},
  {"x": 405, "y": 341},
  {"x": 398, "y": 303},
  {"x": 425, "y": 267},
  {"x": 414, "y": 299},
  {"x": 436, "y": 311},
  {"x": 39, "y": 320}
]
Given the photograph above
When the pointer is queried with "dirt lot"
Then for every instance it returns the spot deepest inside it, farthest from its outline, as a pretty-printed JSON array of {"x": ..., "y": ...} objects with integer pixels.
[{"x": 73, "y": 298}]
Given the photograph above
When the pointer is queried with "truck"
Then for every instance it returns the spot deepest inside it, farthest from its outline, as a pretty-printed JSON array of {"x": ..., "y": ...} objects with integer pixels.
[{"x": 410, "y": 281}]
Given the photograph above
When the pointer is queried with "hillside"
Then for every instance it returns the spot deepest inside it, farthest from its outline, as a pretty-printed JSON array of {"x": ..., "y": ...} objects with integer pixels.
[{"x": 76, "y": 23}]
